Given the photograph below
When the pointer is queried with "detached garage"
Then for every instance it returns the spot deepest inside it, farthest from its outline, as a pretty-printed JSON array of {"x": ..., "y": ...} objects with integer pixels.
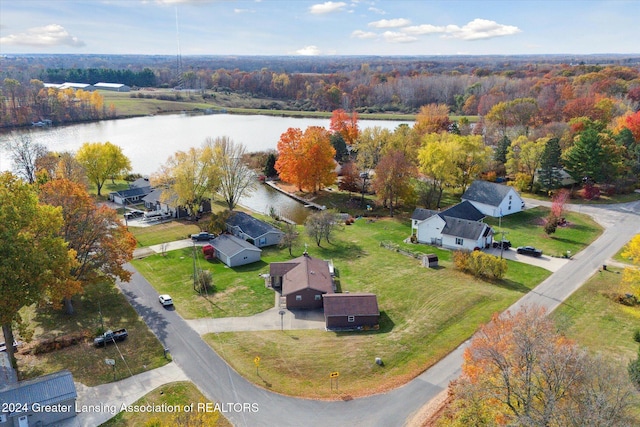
[
  {"x": 234, "y": 251},
  {"x": 350, "y": 311}
]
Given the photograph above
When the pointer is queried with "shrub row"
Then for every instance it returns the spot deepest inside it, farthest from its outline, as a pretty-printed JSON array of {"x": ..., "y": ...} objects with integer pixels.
[{"x": 480, "y": 264}]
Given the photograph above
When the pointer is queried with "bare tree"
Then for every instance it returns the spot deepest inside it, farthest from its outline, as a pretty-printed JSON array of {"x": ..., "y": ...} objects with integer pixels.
[
  {"x": 236, "y": 178},
  {"x": 290, "y": 237},
  {"x": 320, "y": 225},
  {"x": 24, "y": 154}
]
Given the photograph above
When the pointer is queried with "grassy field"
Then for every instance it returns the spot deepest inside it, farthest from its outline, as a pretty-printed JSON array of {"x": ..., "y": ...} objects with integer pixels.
[
  {"x": 177, "y": 395},
  {"x": 164, "y": 232},
  {"x": 422, "y": 319},
  {"x": 128, "y": 106},
  {"x": 142, "y": 351},
  {"x": 594, "y": 320},
  {"x": 526, "y": 228}
]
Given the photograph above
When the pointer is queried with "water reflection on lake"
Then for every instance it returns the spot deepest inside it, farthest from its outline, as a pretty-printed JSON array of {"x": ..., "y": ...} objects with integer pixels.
[{"x": 149, "y": 141}]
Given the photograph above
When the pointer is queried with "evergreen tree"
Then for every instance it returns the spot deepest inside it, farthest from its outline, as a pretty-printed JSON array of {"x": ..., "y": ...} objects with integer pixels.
[
  {"x": 270, "y": 166},
  {"x": 586, "y": 157},
  {"x": 337, "y": 140},
  {"x": 550, "y": 165},
  {"x": 500, "y": 154}
]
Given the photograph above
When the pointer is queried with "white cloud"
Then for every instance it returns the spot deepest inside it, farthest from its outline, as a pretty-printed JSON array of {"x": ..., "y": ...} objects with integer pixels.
[
  {"x": 396, "y": 37},
  {"x": 50, "y": 35},
  {"x": 359, "y": 34},
  {"x": 418, "y": 30},
  {"x": 327, "y": 7},
  {"x": 376, "y": 10},
  {"x": 308, "y": 51},
  {"x": 480, "y": 29},
  {"x": 390, "y": 23},
  {"x": 244, "y": 11}
]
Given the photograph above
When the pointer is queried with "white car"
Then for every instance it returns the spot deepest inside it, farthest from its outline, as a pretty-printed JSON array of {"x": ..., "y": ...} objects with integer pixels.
[{"x": 165, "y": 300}]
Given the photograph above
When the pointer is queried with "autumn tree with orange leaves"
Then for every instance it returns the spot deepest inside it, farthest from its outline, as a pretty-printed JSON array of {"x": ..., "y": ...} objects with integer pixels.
[
  {"x": 101, "y": 242},
  {"x": 518, "y": 370},
  {"x": 305, "y": 159},
  {"x": 346, "y": 125}
]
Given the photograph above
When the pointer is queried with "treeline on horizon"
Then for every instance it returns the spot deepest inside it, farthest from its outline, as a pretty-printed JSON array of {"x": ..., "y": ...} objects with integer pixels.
[{"x": 562, "y": 87}]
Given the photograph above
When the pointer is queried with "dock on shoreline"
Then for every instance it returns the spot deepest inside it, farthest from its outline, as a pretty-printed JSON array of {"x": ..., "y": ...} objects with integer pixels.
[{"x": 298, "y": 198}]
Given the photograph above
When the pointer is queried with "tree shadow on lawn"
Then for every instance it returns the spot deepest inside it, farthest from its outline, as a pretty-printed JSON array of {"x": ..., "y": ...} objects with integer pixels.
[{"x": 511, "y": 285}]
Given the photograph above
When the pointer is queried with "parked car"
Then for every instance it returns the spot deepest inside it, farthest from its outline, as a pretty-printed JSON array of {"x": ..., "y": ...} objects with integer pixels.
[
  {"x": 203, "y": 236},
  {"x": 133, "y": 214},
  {"x": 529, "y": 250},
  {"x": 110, "y": 336},
  {"x": 165, "y": 300},
  {"x": 505, "y": 244}
]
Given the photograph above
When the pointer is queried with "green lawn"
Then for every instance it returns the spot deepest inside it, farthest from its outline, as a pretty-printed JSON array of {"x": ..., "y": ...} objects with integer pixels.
[
  {"x": 142, "y": 350},
  {"x": 176, "y": 395},
  {"x": 164, "y": 232},
  {"x": 593, "y": 318},
  {"x": 425, "y": 314},
  {"x": 526, "y": 228}
]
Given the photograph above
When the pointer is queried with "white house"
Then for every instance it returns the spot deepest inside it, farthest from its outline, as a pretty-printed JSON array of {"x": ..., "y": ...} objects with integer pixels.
[
  {"x": 234, "y": 251},
  {"x": 493, "y": 199},
  {"x": 459, "y": 227}
]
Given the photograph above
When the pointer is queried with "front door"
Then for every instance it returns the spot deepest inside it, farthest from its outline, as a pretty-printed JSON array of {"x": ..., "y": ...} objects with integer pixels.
[{"x": 23, "y": 421}]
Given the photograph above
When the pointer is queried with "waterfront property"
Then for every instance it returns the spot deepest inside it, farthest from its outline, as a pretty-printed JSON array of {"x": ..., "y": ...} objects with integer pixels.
[{"x": 253, "y": 230}]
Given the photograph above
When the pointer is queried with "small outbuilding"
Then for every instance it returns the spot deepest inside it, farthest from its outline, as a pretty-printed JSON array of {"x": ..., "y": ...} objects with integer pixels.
[
  {"x": 350, "y": 311},
  {"x": 430, "y": 260},
  {"x": 113, "y": 87},
  {"x": 43, "y": 401},
  {"x": 234, "y": 251}
]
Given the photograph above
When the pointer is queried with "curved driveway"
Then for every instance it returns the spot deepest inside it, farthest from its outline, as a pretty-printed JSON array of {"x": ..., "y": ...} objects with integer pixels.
[{"x": 222, "y": 384}]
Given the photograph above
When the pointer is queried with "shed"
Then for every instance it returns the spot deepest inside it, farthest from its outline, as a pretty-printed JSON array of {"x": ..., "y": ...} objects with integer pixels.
[
  {"x": 350, "y": 311},
  {"x": 234, "y": 251},
  {"x": 48, "y": 400},
  {"x": 430, "y": 260}
]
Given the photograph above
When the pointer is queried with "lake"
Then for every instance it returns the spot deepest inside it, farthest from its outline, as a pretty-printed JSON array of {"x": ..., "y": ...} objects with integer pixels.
[{"x": 149, "y": 141}]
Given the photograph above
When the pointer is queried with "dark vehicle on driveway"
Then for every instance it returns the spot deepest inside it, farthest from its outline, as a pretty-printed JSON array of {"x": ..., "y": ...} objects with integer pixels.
[
  {"x": 110, "y": 336},
  {"x": 203, "y": 236},
  {"x": 505, "y": 244},
  {"x": 529, "y": 250}
]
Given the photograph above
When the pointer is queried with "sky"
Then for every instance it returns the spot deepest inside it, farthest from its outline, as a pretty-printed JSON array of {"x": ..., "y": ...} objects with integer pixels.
[{"x": 300, "y": 27}]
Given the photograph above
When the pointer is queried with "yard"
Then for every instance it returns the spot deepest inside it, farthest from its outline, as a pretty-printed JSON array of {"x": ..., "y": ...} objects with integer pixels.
[
  {"x": 425, "y": 313},
  {"x": 594, "y": 320},
  {"x": 100, "y": 304}
]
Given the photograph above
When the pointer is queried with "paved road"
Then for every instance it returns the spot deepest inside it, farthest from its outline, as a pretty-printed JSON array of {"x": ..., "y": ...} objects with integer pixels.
[{"x": 221, "y": 383}]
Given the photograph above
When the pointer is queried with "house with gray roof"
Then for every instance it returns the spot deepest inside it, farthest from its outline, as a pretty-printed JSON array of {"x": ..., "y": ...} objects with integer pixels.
[
  {"x": 493, "y": 199},
  {"x": 155, "y": 205},
  {"x": 253, "y": 230},
  {"x": 43, "y": 401},
  {"x": 233, "y": 251},
  {"x": 458, "y": 227}
]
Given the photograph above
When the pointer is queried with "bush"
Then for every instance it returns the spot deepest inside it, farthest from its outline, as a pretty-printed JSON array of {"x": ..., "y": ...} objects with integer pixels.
[
  {"x": 636, "y": 336},
  {"x": 634, "y": 372},
  {"x": 480, "y": 264}
]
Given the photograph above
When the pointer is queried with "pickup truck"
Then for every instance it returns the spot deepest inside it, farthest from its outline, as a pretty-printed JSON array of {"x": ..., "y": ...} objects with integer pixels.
[
  {"x": 110, "y": 336},
  {"x": 203, "y": 236}
]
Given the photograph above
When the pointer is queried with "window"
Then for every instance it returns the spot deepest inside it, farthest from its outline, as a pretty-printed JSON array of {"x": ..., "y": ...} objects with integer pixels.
[
  {"x": 459, "y": 241},
  {"x": 298, "y": 297},
  {"x": 318, "y": 297},
  {"x": 262, "y": 241},
  {"x": 510, "y": 197},
  {"x": 351, "y": 318}
]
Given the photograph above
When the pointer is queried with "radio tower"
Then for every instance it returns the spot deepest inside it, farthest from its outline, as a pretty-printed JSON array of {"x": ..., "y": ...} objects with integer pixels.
[{"x": 179, "y": 56}]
